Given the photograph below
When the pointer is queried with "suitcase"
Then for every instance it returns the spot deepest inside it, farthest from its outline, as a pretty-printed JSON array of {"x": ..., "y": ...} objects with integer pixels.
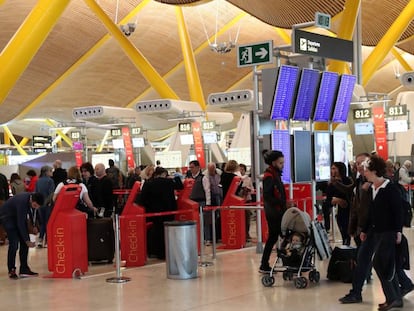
[
  {"x": 101, "y": 239},
  {"x": 342, "y": 264}
]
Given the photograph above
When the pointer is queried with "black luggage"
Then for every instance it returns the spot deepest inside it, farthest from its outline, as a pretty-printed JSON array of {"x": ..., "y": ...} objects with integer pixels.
[
  {"x": 342, "y": 264},
  {"x": 101, "y": 239}
]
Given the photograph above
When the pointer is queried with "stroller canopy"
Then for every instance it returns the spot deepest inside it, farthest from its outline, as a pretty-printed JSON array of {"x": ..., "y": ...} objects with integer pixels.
[{"x": 296, "y": 220}]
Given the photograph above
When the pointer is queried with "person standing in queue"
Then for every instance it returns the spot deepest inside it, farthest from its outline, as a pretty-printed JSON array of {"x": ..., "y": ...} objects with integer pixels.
[
  {"x": 274, "y": 198},
  {"x": 14, "y": 215},
  {"x": 385, "y": 220}
]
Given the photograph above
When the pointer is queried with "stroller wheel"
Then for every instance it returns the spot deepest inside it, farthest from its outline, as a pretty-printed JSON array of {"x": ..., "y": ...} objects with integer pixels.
[
  {"x": 314, "y": 276},
  {"x": 285, "y": 275},
  {"x": 300, "y": 282},
  {"x": 268, "y": 280}
]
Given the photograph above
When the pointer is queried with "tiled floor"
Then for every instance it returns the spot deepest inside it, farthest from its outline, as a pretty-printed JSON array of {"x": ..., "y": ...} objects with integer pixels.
[{"x": 232, "y": 283}]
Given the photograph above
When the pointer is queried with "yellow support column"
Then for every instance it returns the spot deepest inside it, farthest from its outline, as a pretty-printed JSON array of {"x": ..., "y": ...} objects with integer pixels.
[
  {"x": 24, "y": 141},
  {"x": 6, "y": 138},
  {"x": 401, "y": 60},
  {"x": 142, "y": 64},
  {"x": 346, "y": 31},
  {"x": 21, "y": 49},
  {"x": 59, "y": 132},
  {"x": 15, "y": 143},
  {"x": 193, "y": 78},
  {"x": 393, "y": 33}
]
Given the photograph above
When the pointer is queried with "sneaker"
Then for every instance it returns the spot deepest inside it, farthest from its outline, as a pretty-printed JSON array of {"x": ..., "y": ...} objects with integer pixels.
[
  {"x": 405, "y": 291},
  {"x": 13, "y": 275},
  {"x": 27, "y": 273},
  {"x": 265, "y": 269},
  {"x": 350, "y": 298}
]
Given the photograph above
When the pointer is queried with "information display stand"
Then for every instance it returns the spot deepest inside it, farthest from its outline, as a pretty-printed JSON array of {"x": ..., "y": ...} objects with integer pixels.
[{"x": 66, "y": 234}]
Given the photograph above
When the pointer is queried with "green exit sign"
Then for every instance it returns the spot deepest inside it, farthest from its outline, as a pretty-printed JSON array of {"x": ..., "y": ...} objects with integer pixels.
[{"x": 253, "y": 54}]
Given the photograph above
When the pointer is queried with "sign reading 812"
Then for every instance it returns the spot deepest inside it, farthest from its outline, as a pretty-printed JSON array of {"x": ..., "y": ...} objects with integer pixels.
[{"x": 362, "y": 113}]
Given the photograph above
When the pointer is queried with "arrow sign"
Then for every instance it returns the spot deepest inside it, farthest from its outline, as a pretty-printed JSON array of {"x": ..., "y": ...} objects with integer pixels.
[
  {"x": 262, "y": 53},
  {"x": 253, "y": 54}
]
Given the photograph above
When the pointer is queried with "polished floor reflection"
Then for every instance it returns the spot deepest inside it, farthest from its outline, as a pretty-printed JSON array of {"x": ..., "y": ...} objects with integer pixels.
[{"x": 231, "y": 283}]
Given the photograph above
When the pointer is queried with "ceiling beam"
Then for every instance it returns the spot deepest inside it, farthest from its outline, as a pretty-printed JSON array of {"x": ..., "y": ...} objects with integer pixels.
[
  {"x": 193, "y": 78},
  {"x": 136, "y": 57},
  {"x": 27, "y": 40},
  {"x": 387, "y": 42}
]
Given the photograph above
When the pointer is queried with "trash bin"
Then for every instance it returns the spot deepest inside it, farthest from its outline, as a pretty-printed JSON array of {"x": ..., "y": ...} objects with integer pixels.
[{"x": 181, "y": 254}]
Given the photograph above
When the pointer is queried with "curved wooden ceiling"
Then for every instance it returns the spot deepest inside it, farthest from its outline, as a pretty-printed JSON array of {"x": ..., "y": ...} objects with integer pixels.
[{"x": 79, "y": 64}]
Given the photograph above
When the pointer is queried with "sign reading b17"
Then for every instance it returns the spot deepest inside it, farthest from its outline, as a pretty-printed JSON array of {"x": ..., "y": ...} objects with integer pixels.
[{"x": 252, "y": 54}]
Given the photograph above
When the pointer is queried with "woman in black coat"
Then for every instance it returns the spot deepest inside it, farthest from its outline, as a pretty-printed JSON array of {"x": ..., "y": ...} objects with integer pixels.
[{"x": 158, "y": 196}]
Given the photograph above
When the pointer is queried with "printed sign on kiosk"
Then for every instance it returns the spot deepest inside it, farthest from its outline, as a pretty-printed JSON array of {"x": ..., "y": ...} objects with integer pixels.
[
  {"x": 233, "y": 221},
  {"x": 67, "y": 250},
  {"x": 133, "y": 231}
]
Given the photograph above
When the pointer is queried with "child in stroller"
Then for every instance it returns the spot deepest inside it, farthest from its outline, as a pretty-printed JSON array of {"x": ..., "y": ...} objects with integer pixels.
[
  {"x": 296, "y": 251},
  {"x": 292, "y": 254}
]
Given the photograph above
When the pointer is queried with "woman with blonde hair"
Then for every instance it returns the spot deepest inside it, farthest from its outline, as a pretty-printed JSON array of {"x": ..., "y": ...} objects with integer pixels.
[{"x": 85, "y": 204}]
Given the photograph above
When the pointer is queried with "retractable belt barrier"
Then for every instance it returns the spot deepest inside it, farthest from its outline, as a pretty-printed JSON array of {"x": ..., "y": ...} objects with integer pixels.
[{"x": 67, "y": 250}]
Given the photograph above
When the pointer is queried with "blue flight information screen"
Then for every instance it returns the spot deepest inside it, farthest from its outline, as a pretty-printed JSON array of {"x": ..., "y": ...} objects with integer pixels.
[
  {"x": 326, "y": 96},
  {"x": 285, "y": 92},
  {"x": 308, "y": 87},
  {"x": 344, "y": 98},
  {"x": 281, "y": 142}
]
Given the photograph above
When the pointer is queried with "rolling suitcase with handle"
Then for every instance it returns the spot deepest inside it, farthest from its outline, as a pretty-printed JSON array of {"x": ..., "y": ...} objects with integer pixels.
[{"x": 101, "y": 239}]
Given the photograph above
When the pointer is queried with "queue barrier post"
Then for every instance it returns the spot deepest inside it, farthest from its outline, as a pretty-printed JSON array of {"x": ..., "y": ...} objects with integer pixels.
[{"x": 67, "y": 250}]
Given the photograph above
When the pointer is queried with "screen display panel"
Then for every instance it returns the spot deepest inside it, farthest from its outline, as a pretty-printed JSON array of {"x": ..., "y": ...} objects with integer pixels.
[
  {"x": 326, "y": 96},
  {"x": 344, "y": 98},
  {"x": 285, "y": 92},
  {"x": 307, "y": 91},
  {"x": 280, "y": 140},
  {"x": 322, "y": 145}
]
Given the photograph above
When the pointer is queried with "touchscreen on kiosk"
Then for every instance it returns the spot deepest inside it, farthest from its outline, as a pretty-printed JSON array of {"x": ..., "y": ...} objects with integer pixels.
[
  {"x": 344, "y": 98},
  {"x": 307, "y": 91},
  {"x": 285, "y": 92},
  {"x": 326, "y": 96},
  {"x": 281, "y": 141}
]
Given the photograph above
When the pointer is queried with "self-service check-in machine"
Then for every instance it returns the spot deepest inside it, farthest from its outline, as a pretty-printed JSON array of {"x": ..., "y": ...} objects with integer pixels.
[{"x": 66, "y": 235}]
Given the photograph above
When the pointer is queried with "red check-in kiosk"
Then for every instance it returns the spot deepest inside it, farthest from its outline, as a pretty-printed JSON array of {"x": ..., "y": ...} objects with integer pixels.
[
  {"x": 66, "y": 236},
  {"x": 133, "y": 231},
  {"x": 233, "y": 221}
]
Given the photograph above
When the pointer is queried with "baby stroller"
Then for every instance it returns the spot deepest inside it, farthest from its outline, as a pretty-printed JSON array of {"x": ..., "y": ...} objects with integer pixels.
[{"x": 296, "y": 221}]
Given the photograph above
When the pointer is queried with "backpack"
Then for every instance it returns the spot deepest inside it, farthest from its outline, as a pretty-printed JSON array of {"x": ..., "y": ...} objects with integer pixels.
[{"x": 407, "y": 209}]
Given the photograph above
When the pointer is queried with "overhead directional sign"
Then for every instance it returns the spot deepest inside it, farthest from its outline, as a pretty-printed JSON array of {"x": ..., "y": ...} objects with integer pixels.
[
  {"x": 252, "y": 54},
  {"x": 305, "y": 42}
]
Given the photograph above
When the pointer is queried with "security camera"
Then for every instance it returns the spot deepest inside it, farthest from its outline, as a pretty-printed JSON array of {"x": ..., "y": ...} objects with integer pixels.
[
  {"x": 128, "y": 29},
  {"x": 407, "y": 79}
]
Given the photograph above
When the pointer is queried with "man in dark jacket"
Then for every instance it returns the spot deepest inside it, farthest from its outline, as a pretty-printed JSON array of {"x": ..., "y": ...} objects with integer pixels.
[
  {"x": 59, "y": 173},
  {"x": 14, "y": 215}
]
